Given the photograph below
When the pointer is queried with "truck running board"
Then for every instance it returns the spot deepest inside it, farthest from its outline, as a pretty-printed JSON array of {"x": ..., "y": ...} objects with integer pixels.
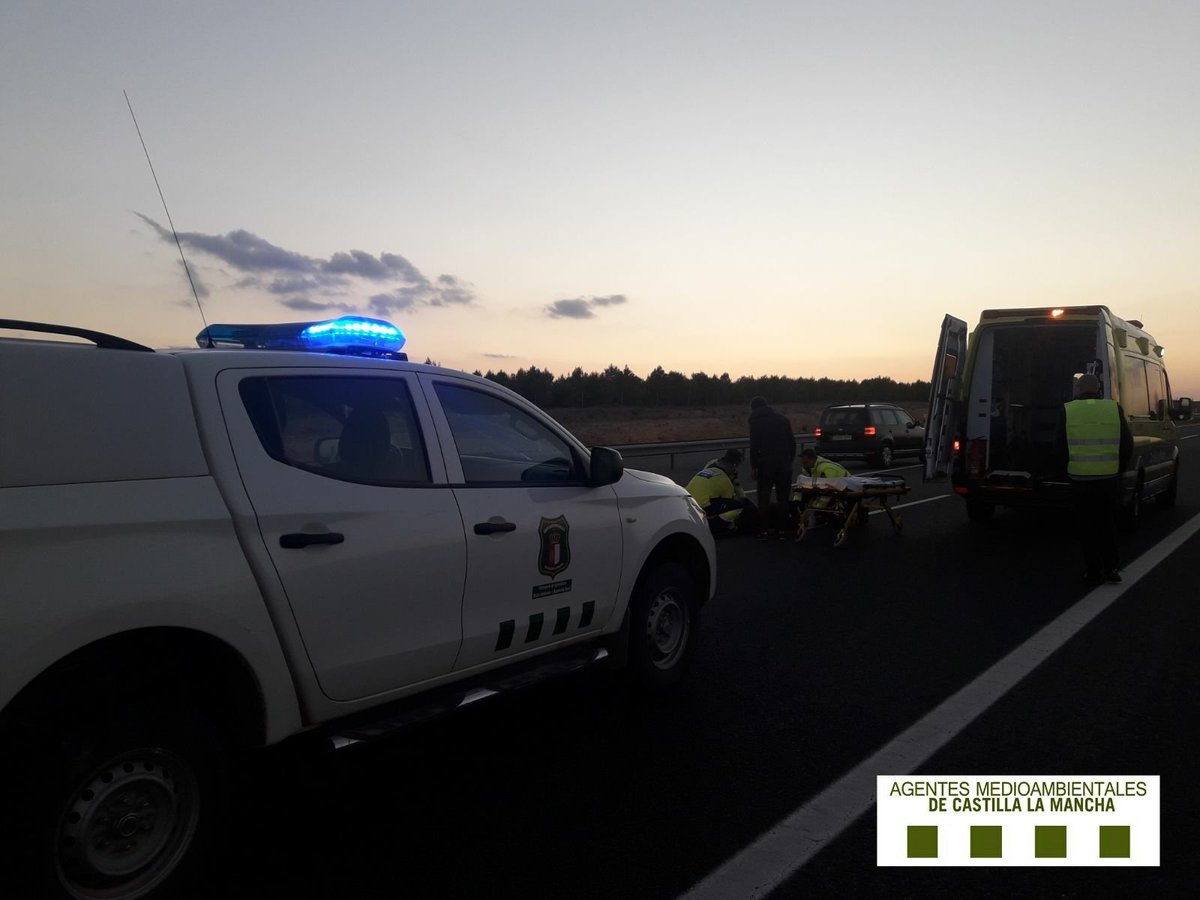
[{"x": 457, "y": 696}]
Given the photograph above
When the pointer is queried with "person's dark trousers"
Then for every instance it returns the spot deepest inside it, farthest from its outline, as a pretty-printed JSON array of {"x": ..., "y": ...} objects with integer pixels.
[
  {"x": 746, "y": 523},
  {"x": 1095, "y": 510},
  {"x": 777, "y": 479}
]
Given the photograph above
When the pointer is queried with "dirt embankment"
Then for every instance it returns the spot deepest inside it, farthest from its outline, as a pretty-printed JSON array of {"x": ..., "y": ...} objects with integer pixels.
[{"x": 615, "y": 425}]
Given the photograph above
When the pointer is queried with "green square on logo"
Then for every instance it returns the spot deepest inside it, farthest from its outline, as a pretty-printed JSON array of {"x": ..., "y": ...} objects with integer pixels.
[
  {"x": 1050, "y": 841},
  {"x": 986, "y": 841},
  {"x": 1114, "y": 841},
  {"x": 922, "y": 842}
]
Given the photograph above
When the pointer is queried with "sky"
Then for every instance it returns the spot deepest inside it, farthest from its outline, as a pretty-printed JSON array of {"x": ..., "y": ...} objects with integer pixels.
[{"x": 760, "y": 188}]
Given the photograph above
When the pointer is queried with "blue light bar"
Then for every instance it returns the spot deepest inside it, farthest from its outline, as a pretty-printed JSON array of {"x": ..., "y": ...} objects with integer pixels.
[{"x": 350, "y": 335}]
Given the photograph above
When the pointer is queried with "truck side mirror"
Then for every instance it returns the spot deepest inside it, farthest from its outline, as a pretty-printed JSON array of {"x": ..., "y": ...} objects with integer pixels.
[
  {"x": 1182, "y": 410},
  {"x": 606, "y": 467}
]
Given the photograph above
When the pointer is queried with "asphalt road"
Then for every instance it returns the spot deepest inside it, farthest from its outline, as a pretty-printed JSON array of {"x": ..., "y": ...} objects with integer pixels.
[{"x": 811, "y": 659}]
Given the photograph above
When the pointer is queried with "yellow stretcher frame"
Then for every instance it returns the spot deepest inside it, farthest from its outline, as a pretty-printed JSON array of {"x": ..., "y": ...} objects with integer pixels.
[{"x": 849, "y": 500}]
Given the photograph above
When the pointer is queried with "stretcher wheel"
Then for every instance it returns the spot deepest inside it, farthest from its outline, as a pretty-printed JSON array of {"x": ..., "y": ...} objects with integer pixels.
[{"x": 840, "y": 539}]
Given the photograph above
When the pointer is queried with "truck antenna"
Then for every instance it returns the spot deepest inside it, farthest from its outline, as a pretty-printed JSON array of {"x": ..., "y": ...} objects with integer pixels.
[{"x": 174, "y": 233}]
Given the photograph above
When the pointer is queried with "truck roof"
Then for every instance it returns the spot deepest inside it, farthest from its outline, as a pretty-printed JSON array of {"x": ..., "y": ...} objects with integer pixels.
[{"x": 1128, "y": 333}]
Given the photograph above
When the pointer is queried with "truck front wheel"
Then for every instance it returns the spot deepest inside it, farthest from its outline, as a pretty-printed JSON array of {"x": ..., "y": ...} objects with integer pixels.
[
  {"x": 130, "y": 807},
  {"x": 663, "y": 623}
]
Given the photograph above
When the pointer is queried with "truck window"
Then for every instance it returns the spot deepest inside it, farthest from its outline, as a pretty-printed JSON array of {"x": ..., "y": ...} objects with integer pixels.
[
  {"x": 499, "y": 442},
  {"x": 1156, "y": 386},
  {"x": 350, "y": 428},
  {"x": 1134, "y": 397}
]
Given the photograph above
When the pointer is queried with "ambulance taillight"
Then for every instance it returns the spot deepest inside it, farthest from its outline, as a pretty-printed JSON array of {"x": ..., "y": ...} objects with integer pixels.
[{"x": 976, "y": 458}]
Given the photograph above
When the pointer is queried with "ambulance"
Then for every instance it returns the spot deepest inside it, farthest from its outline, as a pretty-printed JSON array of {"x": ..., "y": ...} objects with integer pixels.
[{"x": 996, "y": 406}]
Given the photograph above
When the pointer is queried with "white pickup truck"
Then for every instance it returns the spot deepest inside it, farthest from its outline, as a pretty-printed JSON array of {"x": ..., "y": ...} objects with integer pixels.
[{"x": 292, "y": 530}]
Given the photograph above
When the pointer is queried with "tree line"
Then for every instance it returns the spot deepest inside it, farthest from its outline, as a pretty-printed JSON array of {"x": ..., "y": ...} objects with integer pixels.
[{"x": 623, "y": 387}]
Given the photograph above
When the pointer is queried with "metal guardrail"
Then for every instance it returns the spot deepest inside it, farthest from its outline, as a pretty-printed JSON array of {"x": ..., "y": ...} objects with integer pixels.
[{"x": 671, "y": 449}]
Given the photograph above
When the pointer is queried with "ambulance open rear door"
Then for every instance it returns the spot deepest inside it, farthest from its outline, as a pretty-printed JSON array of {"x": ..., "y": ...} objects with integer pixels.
[{"x": 943, "y": 398}]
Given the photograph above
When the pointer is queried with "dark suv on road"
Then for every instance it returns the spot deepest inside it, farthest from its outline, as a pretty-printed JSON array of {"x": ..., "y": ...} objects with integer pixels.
[{"x": 878, "y": 432}]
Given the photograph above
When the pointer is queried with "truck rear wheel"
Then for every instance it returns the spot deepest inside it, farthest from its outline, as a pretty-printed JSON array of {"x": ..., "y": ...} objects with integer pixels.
[
  {"x": 130, "y": 807},
  {"x": 664, "y": 615}
]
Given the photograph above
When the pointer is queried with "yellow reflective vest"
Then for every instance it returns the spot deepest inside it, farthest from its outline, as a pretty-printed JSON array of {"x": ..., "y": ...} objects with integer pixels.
[
  {"x": 710, "y": 483},
  {"x": 822, "y": 468},
  {"x": 827, "y": 468},
  {"x": 1093, "y": 438}
]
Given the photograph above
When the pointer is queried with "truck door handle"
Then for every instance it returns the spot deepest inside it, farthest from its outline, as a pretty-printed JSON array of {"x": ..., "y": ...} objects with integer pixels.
[
  {"x": 494, "y": 527},
  {"x": 300, "y": 539}
]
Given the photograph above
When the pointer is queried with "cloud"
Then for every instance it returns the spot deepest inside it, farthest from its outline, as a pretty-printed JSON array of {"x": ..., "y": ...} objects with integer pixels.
[
  {"x": 303, "y": 304},
  {"x": 451, "y": 292},
  {"x": 310, "y": 284},
  {"x": 357, "y": 262},
  {"x": 201, "y": 288},
  {"x": 297, "y": 285},
  {"x": 582, "y": 307},
  {"x": 570, "y": 309}
]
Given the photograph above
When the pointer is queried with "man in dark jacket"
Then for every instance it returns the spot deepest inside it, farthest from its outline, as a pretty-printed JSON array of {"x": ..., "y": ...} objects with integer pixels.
[{"x": 772, "y": 450}]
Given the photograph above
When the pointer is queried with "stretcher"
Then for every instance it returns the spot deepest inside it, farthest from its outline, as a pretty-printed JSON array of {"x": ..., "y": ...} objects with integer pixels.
[{"x": 847, "y": 501}]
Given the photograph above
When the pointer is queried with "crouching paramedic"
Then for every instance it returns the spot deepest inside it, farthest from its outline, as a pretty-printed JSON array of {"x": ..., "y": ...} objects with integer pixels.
[
  {"x": 815, "y": 467},
  {"x": 716, "y": 489}
]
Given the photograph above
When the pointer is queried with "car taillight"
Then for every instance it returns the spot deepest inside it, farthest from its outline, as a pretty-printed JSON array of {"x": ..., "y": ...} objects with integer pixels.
[
  {"x": 817, "y": 432},
  {"x": 869, "y": 431},
  {"x": 957, "y": 445}
]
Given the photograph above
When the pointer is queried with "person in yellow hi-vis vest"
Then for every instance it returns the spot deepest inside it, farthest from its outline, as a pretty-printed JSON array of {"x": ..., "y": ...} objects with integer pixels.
[
  {"x": 1099, "y": 445},
  {"x": 717, "y": 489},
  {"x": 815, "y": 467}
]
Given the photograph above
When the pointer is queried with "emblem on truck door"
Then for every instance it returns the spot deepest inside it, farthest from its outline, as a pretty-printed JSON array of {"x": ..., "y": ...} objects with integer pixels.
[{"x": 554, "y": 548}]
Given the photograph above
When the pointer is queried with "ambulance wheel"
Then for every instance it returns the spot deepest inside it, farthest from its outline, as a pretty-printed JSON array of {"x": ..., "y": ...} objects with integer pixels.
[
  {"x": 663, "y": 621},
  {"x": 128, "y": 808}
]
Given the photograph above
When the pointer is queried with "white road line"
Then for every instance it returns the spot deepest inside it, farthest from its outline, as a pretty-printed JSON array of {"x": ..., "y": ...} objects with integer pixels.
[
  {"x": 776, "y": 855},
  {"x": 916, "y": 502},
  {"x": 1188, "y": 437},
  {"x": 889, "y": 471}
]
